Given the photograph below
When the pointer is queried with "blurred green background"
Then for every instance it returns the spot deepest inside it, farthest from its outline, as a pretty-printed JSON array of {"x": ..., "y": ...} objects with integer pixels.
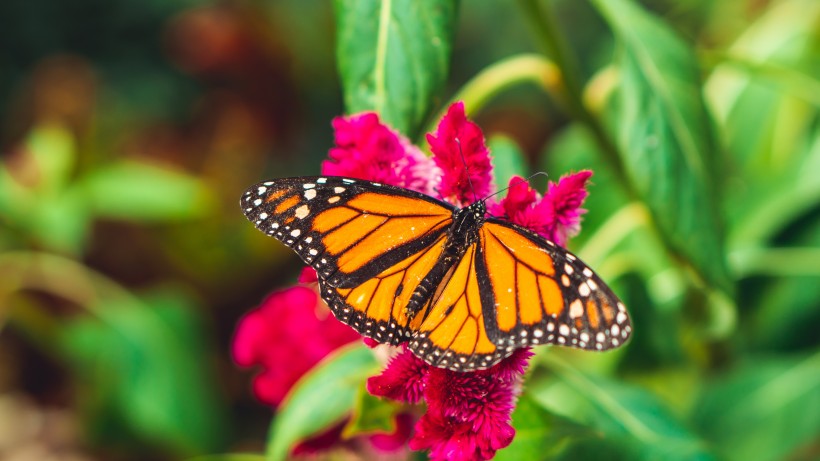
[{"x": 130, "y": 129}]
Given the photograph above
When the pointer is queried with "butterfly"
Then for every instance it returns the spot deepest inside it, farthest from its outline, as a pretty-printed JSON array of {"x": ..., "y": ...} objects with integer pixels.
[{"x": 461, "y": 289}]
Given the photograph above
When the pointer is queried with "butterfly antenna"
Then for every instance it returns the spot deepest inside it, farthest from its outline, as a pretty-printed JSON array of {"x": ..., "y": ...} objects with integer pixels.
[
  {"x": 466, "y": 169},
  {"x": 540, "y": 173}
]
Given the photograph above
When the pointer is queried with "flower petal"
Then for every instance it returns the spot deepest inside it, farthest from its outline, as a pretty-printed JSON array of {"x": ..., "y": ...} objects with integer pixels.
[
  {"x": 367, "y": 149},
  {"x": 401, "y": 380},
  {"x": 460, "y": 152},
  {"x": 273, "y": 337}
]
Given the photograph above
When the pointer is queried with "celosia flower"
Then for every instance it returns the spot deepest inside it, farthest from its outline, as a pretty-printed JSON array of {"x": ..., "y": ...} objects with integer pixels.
[
  {"x": 272, "y": 336},
  {"x": 468, "y": 413},
  {"x": 556, "y": 216},
  {"x": 460, "y": 152},
  {"x": 367, "y": 149}
]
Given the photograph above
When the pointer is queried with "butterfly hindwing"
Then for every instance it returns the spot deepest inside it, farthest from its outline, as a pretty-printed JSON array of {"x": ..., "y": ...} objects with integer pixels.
[
  {"x": 450, "y": 332},
  {"x": 537, "y": 292},
  {"x": 380, "y": 306}
]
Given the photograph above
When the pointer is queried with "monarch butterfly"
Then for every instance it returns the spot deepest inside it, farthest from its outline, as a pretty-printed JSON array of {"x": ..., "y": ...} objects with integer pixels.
[{"x": 461, "y": 289}]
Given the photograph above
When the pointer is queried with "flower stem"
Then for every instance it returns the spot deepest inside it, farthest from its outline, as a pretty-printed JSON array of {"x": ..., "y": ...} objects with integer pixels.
[
  {"x": 500, "y": 76},
  {"x": 544, "y": 25},
  {"x": 67, "y": 279}
]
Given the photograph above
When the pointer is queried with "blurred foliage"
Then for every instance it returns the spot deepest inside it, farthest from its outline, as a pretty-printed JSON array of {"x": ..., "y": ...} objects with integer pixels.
[{"x": 129, "y": 130}]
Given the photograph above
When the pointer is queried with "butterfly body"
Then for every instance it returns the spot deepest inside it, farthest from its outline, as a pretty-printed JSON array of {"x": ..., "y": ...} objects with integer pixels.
[{"x": 461, "y": 289}]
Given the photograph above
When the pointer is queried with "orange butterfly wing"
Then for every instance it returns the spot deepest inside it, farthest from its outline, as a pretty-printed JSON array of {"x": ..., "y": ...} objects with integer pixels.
[
  {"x": 370, "y": 244},
  {"x": 513, "y": 289}
]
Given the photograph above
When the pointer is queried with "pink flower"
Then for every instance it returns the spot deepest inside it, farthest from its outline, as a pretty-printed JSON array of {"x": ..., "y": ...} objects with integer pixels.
[
  {"x": 460, "y": 152},
  {"x": 556, "y": 216},
  {"x": 367, "y": 149},
  {"x": 468, "y": 414},
  {"x": 273, "y": 337},
  {"x": 402, "y": 380}
]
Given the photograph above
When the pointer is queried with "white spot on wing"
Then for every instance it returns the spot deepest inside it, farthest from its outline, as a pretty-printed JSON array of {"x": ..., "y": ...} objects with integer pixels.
[
  {"x": 576, "y": 309},
  {"x": 302, "y": 212}
]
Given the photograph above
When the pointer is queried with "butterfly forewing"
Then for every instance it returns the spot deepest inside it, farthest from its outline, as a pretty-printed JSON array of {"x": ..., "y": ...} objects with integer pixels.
[
  {"x": 346, "y": 229},
  {"x": 368, "y": 242}
]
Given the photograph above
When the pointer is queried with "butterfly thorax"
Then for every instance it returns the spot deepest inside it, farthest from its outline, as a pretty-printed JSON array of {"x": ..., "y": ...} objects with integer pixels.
[{"x": 464, "y": 230}]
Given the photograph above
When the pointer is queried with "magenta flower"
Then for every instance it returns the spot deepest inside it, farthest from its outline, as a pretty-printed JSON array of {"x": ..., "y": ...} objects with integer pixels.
[
  {"x": 556, "y": 216},
  {"x": 456, "y": 143},
  {"x": 468, "y": 414},
  {"x": 367, "y": 149},
  {"x": 272, "y": 336}
]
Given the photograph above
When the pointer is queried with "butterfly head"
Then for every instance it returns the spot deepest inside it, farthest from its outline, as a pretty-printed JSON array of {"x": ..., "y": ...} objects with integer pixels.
[{"x": 467, "y": 221}]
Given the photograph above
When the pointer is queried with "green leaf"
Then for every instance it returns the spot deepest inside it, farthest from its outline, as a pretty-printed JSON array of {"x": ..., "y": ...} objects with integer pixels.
[
  {"x": 320, "y": 399},
  {"x": 53, "y": 153},
  {"x": 508, "y": 160},
  {"x": 765, "y": 94},
  {"x": 143, "y": 365},
  {"x": 141, "y": 192},
  {"x": 393, "y": 57},
  {"x": 371, "y": 415},
  {"x": 664, "y": 136},
  {"x": 642, "y": 425},
  {"x": 540, "y": 434},
  {"x": 765, "y": 409},
  {"x": 767, "y": 83},
  {"x": 61, "y": 223}
]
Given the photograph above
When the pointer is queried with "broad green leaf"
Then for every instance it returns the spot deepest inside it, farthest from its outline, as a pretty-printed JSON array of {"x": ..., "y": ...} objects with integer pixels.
[
  {"x": 61, "y": 222},
  {"x": 540, "y": 434},
  {"x": 508, "y": 160},
  {"x": 370, "y": 415},
  {"x": 634, "y": 417},
  {"x": 321, "y": 398},
  {"x": 393, "y": 57},
  {"x": 53, "y": 153},
  {"x": 765, "y": 409},
  {"x": 38, "y": 204},
  {"x": 140, "y": 192},
  {"x": 765, "y": 93},
  {"x": 764, "y": 85},
  {"x": 664, "y": 136},
  {"x": 143, "y": 365}
]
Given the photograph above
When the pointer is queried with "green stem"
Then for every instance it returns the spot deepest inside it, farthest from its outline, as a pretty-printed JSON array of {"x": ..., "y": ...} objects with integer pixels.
[
  {"x": 67, "y": 279},
  {"x": 381, "y": 56},
  {"x": 630, "y": 217},
  {"x": 775, "y": 262},
  {"x": 788, "y": 80},
  {"x": 545, "y": 27},
  {"x": 504, "y": 74},
  {"x": 600, "y": 398}
]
